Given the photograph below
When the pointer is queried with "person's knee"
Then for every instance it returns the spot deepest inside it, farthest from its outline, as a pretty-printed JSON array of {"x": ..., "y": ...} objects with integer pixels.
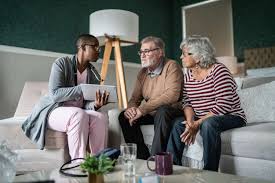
[
  {"x": 163, "y": 114},
  {"x": 162, "y": 110},
  {"x": 79, "y": 118},
  {"x": 178, "y": 128},
  {"x": 103, "y": 118},
  {"x": 178, "y": 120},
  {"x": 209, "y": 124},
  {"x": 121, "y": 118},
  {"x": 80, "y": 114}
]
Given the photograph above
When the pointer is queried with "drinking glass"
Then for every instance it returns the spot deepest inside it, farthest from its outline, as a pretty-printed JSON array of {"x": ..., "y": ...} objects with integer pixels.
[{"x": 128, "y": 155}]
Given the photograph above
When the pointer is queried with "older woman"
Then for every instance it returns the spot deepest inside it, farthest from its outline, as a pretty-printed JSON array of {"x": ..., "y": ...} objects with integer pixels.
[
  {"x": 65, "y": 109},
  {"x": 210, "y": 103}
]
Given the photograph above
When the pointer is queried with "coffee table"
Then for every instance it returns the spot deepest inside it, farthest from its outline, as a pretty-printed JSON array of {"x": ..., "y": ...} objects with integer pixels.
[{"x": 180, "y": 174}]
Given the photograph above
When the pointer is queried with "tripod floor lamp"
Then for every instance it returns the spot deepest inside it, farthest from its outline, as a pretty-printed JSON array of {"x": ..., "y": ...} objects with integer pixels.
[{"x": 115, "y": 28}]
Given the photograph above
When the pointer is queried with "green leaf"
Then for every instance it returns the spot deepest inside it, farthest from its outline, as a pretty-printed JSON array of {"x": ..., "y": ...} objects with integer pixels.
[{"x": 100, "y": 165}]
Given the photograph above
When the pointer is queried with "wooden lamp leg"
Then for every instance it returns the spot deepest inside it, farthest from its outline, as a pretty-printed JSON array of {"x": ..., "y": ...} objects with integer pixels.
[
  {"x": 121, "y": 87},
  {"x": 118, "y": 90},
  {"x": 120, "y": 72},
  {"x": 105, "y": 62}
]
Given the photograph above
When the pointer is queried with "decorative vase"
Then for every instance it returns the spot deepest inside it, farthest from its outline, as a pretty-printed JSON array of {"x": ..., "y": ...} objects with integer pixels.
[{"x": 95, "y": 178}]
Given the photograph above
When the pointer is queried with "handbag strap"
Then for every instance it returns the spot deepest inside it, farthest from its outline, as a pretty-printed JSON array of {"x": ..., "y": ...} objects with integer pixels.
[{"x": 63, "y": 169}]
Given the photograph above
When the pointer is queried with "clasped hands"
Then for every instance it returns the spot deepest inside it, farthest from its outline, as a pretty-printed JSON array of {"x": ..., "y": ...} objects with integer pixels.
[
  {"x": 191, "y": 129},
  {"x": 101, "y": 99},
  {"x": 132, "y": 113}
]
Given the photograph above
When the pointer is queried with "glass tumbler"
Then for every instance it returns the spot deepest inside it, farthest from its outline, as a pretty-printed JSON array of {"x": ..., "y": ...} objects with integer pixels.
[{"x": 129, "y": 155}]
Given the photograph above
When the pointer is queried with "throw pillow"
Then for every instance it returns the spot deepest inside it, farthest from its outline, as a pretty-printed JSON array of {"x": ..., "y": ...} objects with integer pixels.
[
  {"x": 249, "y": 82},
  {"x": 239, "y": 82},
  {"x": 260, "y": 72},
  {"x": 259, "y": 102}
]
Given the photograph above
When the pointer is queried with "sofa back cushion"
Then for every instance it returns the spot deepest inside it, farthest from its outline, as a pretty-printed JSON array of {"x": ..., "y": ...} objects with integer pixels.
[
  {"x": 249, "y": 82},
  {"x": 32, "y": 91},
  {"x": 259, "y": 102},
  {"x": 30, "y": 95}
]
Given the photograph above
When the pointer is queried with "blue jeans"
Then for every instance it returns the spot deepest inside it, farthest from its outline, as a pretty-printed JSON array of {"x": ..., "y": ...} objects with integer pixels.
[{"x": 210, "y": 130}]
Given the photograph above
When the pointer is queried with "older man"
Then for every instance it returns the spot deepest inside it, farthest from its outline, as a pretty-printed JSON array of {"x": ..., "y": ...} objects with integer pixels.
[{"x": 156, "y": 98}]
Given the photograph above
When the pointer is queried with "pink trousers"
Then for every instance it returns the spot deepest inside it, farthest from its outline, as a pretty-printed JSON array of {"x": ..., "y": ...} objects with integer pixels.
[{"x": 81, "y": 126}]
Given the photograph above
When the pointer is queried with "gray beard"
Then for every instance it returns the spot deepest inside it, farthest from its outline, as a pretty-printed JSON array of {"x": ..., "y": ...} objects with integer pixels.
[{"x": 147, "y": 64}]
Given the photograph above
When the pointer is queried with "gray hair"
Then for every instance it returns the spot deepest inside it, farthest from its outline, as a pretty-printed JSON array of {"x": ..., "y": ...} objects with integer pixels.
[
  {"x": 157, "y": 41},
  {"x": 201, "y": 49}
]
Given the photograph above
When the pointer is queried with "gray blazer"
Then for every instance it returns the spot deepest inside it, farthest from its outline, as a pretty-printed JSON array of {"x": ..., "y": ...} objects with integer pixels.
[{"x": 62, "y": 87}]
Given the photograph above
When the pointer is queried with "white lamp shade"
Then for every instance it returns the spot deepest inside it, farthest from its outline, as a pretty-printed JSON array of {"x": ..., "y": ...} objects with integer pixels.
[
  {"x": 230, "y": 62},
  {"x": 119, "y": 23}
]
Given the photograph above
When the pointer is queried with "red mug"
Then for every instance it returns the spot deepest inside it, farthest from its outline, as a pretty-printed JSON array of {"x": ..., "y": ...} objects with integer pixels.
[{"x": 163, "y": 163}]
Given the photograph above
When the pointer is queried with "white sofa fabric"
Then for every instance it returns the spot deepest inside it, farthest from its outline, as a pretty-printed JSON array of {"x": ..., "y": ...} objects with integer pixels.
[
  {"x": 56, "y": 148},
  {"x": 250, "y": 151},
  {"x": 243, "y": 149},
  {"x": 256, "y": 100},
  {"x": 246, "y": 151},
  {"x": 256, "y": 140},
  {"x": 32, "y": 158}
]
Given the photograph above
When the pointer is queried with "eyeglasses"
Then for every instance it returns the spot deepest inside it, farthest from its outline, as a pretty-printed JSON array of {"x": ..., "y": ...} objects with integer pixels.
[
  {"x": 97, "y": 48},
  {"x": 146, "y": 52},
  {"x": 184, "y": 54}
]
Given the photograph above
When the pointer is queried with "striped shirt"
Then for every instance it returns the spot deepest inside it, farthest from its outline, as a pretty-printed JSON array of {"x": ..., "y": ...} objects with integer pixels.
[{"x": 216, "y": 93}]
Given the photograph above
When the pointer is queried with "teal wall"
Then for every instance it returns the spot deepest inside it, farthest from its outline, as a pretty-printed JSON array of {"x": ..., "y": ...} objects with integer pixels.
[
  {"x": 53, "y": 25},
  {"x": 253, "y": 24}
]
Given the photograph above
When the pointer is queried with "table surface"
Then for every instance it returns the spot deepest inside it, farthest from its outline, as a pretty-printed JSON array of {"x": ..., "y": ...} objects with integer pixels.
[{"x": 180, "y": 174}]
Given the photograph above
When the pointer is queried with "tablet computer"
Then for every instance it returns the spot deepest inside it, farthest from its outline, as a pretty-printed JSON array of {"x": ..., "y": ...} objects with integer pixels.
[{"x": 89, "y": 91}]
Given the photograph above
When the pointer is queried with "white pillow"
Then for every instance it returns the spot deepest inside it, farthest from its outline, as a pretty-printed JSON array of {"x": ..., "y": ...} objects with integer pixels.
[
  {"x": 268, "y": 71},
  {"x": 259, "y": 102},
  {"x": 239, "y": 82}
]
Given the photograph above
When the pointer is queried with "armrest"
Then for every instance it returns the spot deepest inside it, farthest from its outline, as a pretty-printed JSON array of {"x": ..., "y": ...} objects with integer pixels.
[
  {"x": 115, "y": 134},
  {"x": 11, "y": 132}
]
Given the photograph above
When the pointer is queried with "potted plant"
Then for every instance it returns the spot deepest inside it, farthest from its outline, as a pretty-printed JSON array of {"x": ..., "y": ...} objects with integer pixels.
[{"x": 96, "y": 167}]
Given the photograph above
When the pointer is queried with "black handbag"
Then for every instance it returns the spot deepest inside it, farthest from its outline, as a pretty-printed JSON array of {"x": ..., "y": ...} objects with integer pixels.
[{"x": 112, "y": 153}]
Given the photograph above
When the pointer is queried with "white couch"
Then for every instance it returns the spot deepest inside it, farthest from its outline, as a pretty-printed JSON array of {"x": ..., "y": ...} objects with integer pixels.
[
  {"x": 250, "y": 151},
  {"x": 30, "y": 157},
  {"x": 56, "y": 151},
  {"x": 247, "y": 151}
]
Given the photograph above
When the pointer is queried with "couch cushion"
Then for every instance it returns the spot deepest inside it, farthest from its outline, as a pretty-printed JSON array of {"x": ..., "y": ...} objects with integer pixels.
[
  {"x": 249, "y": 167},
  {"x": 148, "y": 133},
  {"x": 259, "y": 102},
  {"x": 256, "y": 140},
  {"x": 55, "y": 139},
  {"x": 11, "y": 132},
  {"x": 31, "y": 160},
  {"x": 249, "y": 82},
  {"x": 267, "y": 71},
  {"x": 31, "y": 93}
]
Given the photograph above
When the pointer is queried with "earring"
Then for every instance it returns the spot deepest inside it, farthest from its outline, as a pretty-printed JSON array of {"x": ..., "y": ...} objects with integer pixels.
[{"x": 197, "y": 66}]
